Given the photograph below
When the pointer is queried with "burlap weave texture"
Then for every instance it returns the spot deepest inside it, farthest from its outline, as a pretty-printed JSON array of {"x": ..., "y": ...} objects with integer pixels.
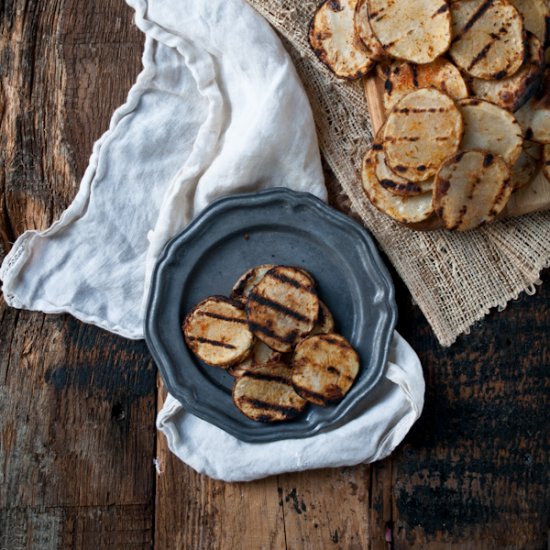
[{"x": 454, "y": 278}]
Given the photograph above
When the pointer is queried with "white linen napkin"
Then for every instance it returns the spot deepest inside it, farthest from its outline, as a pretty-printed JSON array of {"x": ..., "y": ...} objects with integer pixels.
[
  {"x": 394, "y": 406},
  {"x": 217, "y": 109}
]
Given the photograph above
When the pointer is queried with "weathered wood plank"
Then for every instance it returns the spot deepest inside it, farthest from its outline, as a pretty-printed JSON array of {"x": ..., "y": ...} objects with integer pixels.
[
  {"x": 77, "y": 405},
  {"x": 77, "y": 413},
  {"x": 194, "y": 511},
  {"x": 473, "y": 473},
  {"x": 327, "y": 508},
  {"x": 50, "y": 528}
]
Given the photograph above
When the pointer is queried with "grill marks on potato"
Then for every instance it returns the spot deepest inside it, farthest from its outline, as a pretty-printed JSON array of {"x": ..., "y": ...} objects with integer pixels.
[
  {"x": 404, "y": 209},
  {"x": 412, "y": 30},
  {"x": 422, "y": 129},
  {"x": 536, "y": 17},
  {"x": 534, "y": 117},
  {"x": 491, "y": 128},
  {"x": 365, "y": 33},
  {"x": 260, "y": 355},
  {"x": 324, "y": 368},
  {"x": 488, "y": 38},
  {"x": 526, "y": 166},
  {"x": 471, "y": 188},
  {"x": 401, "y": 78},
  {"x": 333, "y": 38},
  {"x": 216, "y": 330},
  {"x": 325, "y": 321},
  {"x": 513, "y": 92},
  {"x": 283, "y": 307},
  {"x": 248, "y": 281},
  {"x": 266, "y": 394},
  {"x": 396, "y": 184},
  {"x": 546, "y": 162}
]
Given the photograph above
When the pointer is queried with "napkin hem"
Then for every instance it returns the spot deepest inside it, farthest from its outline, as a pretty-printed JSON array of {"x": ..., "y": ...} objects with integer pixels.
[
  {"x": 20, "y": 253},
  {"x": 189, "y": 437}
]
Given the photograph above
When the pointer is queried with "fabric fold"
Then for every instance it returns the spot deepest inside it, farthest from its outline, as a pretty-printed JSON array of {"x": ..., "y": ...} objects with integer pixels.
[
  {"x": 217, "y": 109},
  {"x": 393, "y": 407}
]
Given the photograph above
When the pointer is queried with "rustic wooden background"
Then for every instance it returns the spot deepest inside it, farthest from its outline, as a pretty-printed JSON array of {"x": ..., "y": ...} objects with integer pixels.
[{"x": 77, "y": 405}]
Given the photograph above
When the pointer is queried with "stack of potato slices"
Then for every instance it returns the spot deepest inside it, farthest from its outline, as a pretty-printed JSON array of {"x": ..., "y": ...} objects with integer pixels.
[
  {"x": 466, "y": 95},
  {"x": 277, "y": 339}
]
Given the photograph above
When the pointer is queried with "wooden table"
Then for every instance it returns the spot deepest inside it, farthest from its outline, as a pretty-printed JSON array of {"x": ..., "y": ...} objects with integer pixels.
[{"x": 77, "y": 405}]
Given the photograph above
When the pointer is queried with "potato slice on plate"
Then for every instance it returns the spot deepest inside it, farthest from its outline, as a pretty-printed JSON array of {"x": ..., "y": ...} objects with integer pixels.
[
  {"x": 488, "y": 38},
  {"x": 324, "y": 368},
  {"x": 546, "y": 162},
  {"x": 325, "y": 321},
  {"x": 536, "y": 17},
  {"x": 333, "y": 39},
  {"x": 261, "y": 354},
  {"x": 412, "y": 30},
  {"x": 364, "y": 31},
  {"x": 422, "y": 129},
  {"x": 513, "y": 92},
  {"x": 217, "y": 332},
  {"x": 526, "y": 166},
  {"x": 404, "y": 209},
  {"x": 401, "y": 78},
  {"x": 471, "y": 188},
  {"x": 265, "y": 394},
  {"x": 283, "y": 307},
  {"x": 245, "y": 284},
  {"x": 490, "y": 128}
]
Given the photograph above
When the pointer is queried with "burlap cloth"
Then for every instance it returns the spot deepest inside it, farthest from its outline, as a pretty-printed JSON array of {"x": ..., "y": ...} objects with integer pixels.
[{"x": 454, "y": 278}]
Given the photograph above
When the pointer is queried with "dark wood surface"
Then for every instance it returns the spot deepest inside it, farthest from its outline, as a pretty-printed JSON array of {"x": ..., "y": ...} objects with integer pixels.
[{"x": 78, "y": 405}]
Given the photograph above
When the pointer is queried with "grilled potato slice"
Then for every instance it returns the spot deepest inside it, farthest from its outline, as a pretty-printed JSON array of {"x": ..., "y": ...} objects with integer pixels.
[
  {"x": 488, "y": 38},
  {"x": 489, "y": 127},
  {"x": 404, "y": 209},
  {"x": 422, "y": 129},
  {"x": 411, "y": 30},
  {"x": 527, "y": 164},
  {"x": 536, "y": 18},
  {"x": 471, "y": 188},
  {"x": 513, "y": 92},
  {"x": 217, "y": 332},
  {"x": 534, "y": 116},
  {"x": 364, "y": 31},
  {"x": 333, "y": 39},
  {"x": 392, "y": 182},
  {"x": 283, "y": 307},
  {"x": 265, "y": 394},
  {"x": 546, "y": 162},
  {"x": 325, "y": 321},
  {"x": 324, "y": 368},
  {"x": 245, "y": 284},
  {"x": 401, "y": 78},
  {"x": 261, "y": 354}
]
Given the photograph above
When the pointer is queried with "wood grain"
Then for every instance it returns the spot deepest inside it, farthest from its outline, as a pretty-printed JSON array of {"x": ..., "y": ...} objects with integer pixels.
[
  {"x": 194, "y": 511},
  {"x": 77, "y": 405},
  {"x": 473, "y": 471},
  {"x": 535, "y": 197}
]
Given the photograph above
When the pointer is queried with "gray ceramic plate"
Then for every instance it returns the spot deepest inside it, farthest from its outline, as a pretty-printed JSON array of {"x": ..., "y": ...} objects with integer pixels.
[{"x": 280, "y": 227}]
